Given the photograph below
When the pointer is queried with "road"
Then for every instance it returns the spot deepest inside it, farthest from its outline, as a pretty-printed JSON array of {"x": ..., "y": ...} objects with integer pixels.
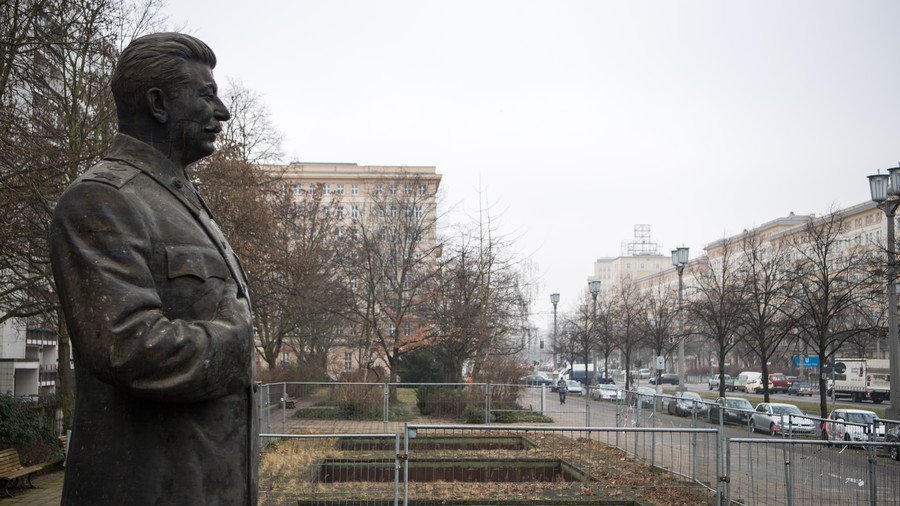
[{"x": 758, "y": 470}]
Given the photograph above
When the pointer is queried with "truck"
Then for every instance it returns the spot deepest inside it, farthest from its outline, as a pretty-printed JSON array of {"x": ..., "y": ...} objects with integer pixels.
[{"x": 861, "y": 379}]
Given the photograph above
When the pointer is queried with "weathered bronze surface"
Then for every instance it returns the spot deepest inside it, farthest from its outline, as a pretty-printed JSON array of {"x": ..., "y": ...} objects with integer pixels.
[{"x": 156, "y": 301}]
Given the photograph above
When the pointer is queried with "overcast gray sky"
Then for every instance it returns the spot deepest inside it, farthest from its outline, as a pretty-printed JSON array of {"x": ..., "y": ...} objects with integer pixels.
[{"x": 579, "y": 119}]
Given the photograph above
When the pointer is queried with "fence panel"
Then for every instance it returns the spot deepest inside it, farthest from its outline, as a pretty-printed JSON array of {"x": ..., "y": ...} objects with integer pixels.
[
  {"x": 346, "y": 469},
  {"x": 797, "y": 472},
  {"x": 572, "y": 464}
]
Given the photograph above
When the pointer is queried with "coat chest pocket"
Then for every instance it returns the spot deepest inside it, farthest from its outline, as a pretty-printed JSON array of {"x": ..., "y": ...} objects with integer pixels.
[{"x": 200, "y": 262}]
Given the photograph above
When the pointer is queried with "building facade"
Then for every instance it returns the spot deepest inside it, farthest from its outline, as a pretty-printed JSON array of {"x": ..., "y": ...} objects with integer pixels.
[{"x": 365, "y": 194}]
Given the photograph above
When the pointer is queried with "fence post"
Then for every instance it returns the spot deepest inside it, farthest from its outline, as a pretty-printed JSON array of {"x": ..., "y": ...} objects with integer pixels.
[
  {"x": 788, "y": 478},
  {"x": 587, "y": 413},
  {"x": 396, "y": 468},
  {"x": 284, "y": 408},
  {"x": 873, "y": 476},
  {"x": 406, "y": 464},
  {"x": 268, "y": 410},
  {"x": 487, "y": 403},
  {"x": 653, "y": 434},
  {"x": 618, "y": 416},
  {"x": 386, "y": 405},
  {"x": 543, "y": 396},
  {"x": 694, "y": 441},
  {"x": 723, "y": 451}
]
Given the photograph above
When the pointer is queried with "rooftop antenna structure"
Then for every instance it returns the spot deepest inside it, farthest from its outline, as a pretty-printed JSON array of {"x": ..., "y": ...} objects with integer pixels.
[{"x": 641, "y": 244}]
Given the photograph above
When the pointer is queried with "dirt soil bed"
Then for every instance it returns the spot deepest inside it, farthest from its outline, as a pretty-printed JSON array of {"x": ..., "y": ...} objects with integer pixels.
[{"x": 289, "y": 470}]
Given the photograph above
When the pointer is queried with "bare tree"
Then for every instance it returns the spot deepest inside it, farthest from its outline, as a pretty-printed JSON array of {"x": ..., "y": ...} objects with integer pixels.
[
  {"x": 389, "y": 269},
  {"x": 659, "y": 322},
  {"x": 56, "y": 120},
  {"x": 478, "y": 302},
  {"x": 768, "y": 309},
  {"x": 605, "y": 330},
  {"x": 630, "y": 307},
  {"x": 835, "y": 283},
  {"x": 715, "y": 303}
]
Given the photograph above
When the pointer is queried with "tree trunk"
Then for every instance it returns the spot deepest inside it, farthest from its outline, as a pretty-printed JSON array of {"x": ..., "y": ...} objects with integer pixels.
[
  {"x": 65, "y": 377},
  {"x": 765, "y": 380}
]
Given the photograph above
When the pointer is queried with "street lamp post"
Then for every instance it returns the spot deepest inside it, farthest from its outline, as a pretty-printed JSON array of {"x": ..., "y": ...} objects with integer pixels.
[
  {"x": 594, "y": 287},
  {"x": 554, "y": 299},
  {"x": 679, "y": 260},
  {"x": 885, "y": 189}
]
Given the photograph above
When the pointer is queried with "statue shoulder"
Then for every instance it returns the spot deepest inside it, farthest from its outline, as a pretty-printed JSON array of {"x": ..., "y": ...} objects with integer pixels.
[{"x": 113, "y": 173}]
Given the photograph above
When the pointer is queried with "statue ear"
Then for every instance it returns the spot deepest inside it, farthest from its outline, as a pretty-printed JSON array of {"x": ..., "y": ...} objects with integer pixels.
[{"x": 156, "y": 103}]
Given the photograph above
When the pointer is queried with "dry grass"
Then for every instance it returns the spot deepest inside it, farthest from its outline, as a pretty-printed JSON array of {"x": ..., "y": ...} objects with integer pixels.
[{"x": 287, "y": 470}]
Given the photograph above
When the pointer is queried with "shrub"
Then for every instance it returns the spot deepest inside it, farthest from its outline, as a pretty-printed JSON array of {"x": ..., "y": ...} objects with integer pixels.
[
  {"x": 21, "y": 428},
  {"x": 446, "y": 402},
  {"x": 473, "y": 414}
]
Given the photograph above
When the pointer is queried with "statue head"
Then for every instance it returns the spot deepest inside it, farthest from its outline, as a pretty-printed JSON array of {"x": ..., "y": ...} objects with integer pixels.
[{"x": 165, "y": 95}]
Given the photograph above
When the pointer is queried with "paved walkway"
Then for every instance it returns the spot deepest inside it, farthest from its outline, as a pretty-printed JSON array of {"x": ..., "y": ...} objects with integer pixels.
[{"x": 47, "y": 493}]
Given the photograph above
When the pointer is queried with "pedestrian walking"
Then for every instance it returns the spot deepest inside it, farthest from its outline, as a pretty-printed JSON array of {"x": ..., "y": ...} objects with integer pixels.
[{"x": 563, "y": 389}]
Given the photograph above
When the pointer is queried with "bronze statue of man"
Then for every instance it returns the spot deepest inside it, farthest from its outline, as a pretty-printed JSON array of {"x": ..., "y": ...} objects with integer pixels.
[{"x": 155, "y": 300}]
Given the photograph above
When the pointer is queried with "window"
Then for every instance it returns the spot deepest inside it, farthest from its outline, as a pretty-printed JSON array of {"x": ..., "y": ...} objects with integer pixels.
[
  {"x": 285, "y": 357},
  {"x": 419, "y": 212},
  {"x": 407, "y": 190},
  {"x": 340, "y": 232},
  {"x": 348, "y": 361},
  {"x": 379, "y": 189},
  {"x": 423, "y": 188},
  {"x": 393, "y": 211},
  {"x": 407, "y": 329},
  {"x": 409, "y": 211},
  {"x": 381, "y": 212},
  {"x": 354, "y": 211},
  {"x": 354, "y": 189},
  {"x": 326, "y": 211},
  {"x": 298, "y": 189},
  {"x": 393, "y": 188},
  {"x": 382, "y": 234},
  {"x": 327, "y": 188},
  {"x": 340, "y": 212},
  {"x": 340, "y": 189},
  {"x": 312, "y": 187}
]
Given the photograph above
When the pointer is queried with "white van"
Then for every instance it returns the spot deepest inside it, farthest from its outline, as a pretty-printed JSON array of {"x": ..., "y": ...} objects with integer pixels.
[{"x": 748, "y": 381}]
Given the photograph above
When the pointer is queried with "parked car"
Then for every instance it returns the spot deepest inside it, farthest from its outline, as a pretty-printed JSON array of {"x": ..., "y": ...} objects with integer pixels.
[
  {"x": 800, "y": 387},
  {"x": 778, "y": 382},
  {"x": 778, "y": 418},
  {"x": 537, "y": 379},
  {"x": 574, "y": 387},
  {"x": 713, "y": 382},
  {"x": 893, "y": 436},
  {"x": 606, "y": 393},
  {"x": 837, "y": 429},
  {"x": 747, "y": 381},
  {"x": 645, "y": 395},
  {"x": 670, "y": 378},
  {"x": 685, "y": 403},
  {"x": 644, "y": 373},
  {"x": 737, "y": 410},
  {"x": 791, "y": 380}
]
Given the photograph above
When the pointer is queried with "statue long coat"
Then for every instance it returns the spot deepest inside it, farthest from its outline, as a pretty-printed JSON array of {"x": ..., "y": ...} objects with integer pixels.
[{"x": 164, "y": 410}]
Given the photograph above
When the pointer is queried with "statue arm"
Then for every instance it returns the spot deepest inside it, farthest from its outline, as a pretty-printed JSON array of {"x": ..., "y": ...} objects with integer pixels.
[{"x": 101, "y": 253}]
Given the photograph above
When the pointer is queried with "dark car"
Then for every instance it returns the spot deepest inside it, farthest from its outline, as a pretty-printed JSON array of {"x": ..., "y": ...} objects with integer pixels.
[
  {"x": 800, "y": 387},
  {"x": 671, "y": 379},
  {"x": 737, "y": 410},
  {"x": 537, "y": 379},
  {"x": 893, "y": 436}
]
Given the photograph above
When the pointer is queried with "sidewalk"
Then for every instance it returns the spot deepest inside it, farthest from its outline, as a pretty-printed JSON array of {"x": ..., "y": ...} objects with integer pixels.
[{"x": 47, "y": 493}]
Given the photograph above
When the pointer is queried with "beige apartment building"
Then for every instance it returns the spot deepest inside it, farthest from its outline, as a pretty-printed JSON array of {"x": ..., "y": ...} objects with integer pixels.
[
  {"x": 864, "y": 227},
  {"x": 640, "y": 257},
  {"x": 356, "y": 189}
]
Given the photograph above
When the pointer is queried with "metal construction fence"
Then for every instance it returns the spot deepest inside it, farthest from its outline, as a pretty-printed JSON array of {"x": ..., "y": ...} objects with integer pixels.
[{"x": 705, "y": 443}]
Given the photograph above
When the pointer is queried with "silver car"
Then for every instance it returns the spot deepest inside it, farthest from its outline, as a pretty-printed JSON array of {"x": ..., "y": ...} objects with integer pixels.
[
  {"x": 775, "y": 418},
  {"x": 607, "y": 393}
]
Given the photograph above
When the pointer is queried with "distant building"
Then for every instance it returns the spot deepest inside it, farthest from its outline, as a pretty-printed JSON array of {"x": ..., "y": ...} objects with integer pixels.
[
  {"x": 640, "y": 257},
  {"x": 28, "y": 359},
  {"x": 362, "y": 191}
]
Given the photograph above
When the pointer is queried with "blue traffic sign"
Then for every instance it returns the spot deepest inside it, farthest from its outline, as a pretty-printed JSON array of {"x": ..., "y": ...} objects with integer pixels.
[{"x": 806, "y": 361}]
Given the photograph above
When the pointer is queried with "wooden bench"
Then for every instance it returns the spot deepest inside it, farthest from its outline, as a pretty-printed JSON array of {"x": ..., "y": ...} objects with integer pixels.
[{"x": 11, "y": 470}]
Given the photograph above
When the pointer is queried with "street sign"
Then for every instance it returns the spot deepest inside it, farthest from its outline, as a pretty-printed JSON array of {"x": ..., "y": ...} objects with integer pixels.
[
  {"x": 660, "y": 363},
  {"x": 806, "y": 361}
]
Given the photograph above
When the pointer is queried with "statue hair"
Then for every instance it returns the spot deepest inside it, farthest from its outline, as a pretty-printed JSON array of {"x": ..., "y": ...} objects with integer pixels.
[{"x": 154, "y": 61}]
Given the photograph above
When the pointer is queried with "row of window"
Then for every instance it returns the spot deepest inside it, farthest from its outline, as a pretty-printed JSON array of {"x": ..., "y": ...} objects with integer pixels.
[
  {"x": 338, "y": 189},
  {"x": 391, "y": 211}
]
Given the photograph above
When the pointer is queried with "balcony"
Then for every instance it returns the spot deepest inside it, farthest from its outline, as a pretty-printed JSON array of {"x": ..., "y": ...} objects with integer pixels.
[{"x": 40, "y": 337}]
